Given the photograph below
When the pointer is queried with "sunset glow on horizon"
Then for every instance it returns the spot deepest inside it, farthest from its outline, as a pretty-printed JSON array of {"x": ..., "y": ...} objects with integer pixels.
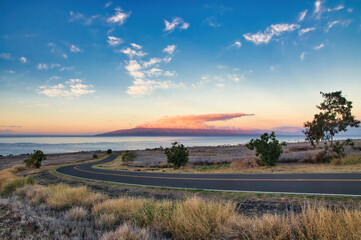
[{"x": 72, "y": 68}]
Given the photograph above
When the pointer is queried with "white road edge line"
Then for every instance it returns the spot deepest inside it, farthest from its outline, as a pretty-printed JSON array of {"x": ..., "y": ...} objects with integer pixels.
[{"x": 215, "y": 190}]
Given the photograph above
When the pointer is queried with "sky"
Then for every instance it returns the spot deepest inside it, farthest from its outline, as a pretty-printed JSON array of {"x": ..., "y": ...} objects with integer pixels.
[{"x": 67, "y": 67}]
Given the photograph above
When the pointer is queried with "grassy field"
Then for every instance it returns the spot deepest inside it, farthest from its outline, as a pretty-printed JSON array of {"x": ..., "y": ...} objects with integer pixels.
[
  {"x": 189, "y": 218},
  {"x": 84, "y": 209},
  {"x": 349, "y": 164}
]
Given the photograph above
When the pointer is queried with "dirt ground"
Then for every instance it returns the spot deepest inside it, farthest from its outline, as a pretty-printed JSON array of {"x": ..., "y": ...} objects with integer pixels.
[
  {"x": 51, "y": 159},
  {"x": 292, "y": 153}
]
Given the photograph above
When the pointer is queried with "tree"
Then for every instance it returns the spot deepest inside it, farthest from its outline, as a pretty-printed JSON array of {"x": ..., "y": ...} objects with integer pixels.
[
  {"x": 109, "y": 151},
  {"x": 177, "y": 155},
  {"x": 268, "y": 148},
  {"x": 35, "y": 159},
  {"x": 335, "y": 116}
]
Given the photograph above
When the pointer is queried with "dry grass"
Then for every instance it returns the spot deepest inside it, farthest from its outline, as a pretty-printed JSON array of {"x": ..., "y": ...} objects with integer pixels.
[
  {"x": 315, "y": 222},
  {"x": 9, "y": 181},
  {"x": 76, "y": 213},
  {"x": 61, "y": 196},
  {"x": 349, "y": 159},
  {"x": 127, "y": 232},
  {"x": 245, "y": 163},
  {"x": 194, "y": 218}
]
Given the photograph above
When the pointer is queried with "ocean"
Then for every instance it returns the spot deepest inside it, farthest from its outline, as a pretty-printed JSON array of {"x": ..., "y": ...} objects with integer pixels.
[{"x": 63, "y": 144}]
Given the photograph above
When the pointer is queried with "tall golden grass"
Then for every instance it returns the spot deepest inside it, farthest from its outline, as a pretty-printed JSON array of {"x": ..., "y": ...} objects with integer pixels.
[
  {"x": 196, "y": 218},
  {"x": 9, "y": 181}
]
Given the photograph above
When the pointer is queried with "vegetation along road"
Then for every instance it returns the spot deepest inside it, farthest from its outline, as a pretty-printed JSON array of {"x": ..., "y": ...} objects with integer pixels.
[{"x": 326, "y": 184}]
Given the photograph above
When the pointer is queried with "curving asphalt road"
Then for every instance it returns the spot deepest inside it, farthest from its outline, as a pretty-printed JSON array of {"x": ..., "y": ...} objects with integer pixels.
[{"x": 346, "y": 184}]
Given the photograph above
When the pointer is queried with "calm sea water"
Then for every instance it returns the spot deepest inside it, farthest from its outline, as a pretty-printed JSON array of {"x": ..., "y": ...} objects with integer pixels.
[{"x": 20, "y": 145}]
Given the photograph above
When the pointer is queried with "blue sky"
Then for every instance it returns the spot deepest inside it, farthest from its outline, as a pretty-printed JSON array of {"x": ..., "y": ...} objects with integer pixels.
[{"x": 70, "y": 67}]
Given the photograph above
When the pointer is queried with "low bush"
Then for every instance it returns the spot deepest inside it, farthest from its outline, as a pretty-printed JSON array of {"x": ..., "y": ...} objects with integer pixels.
[
  {"x": 95, "y": 156},
  {"x": 163, "y": 165},
  {"x": 35, "y": 159},
  {"x": 127, "y": 231},
  {"x": 19, "y": 182},
  {"x": 245, "y": 163},
  {"x": 128, "y": 156},
  {"x": 109, "y": 151},
  {"x": 177, "y": 155},
  {"x": 76, "y": 213},
  {"x": 268, "y": 148}
]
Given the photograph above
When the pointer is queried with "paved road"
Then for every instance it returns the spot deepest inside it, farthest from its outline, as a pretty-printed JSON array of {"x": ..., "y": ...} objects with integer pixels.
[{"x": 327, "y": 184}]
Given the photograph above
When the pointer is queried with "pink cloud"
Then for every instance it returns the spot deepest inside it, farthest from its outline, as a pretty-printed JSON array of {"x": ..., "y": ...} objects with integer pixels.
[{"x": 192, "y": 121}]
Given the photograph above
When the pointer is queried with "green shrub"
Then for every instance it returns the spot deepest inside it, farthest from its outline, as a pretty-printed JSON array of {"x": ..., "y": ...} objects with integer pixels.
[
  {"x": 128, "y": 156},
  {"x": 35, "y": 159},
  {"x": 12, "y": 185},
  {"x": 95, "y": 156},
  {"x": 109, "y": 151},
  {"x": 177, "y": 155},
  {"x": 268, "y": 148}
]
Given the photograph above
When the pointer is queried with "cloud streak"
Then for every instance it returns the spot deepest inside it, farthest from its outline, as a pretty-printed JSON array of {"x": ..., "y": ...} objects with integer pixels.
[
  {"x": 192, "y": 121},
  {"x": 270, "y": 32}
]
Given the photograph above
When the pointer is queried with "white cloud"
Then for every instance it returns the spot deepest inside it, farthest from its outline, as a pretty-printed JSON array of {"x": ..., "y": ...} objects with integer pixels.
[
  {"x": 108, "y": 4},
  {"x": 318, "y": 4},
  {"x": 167, "y": 59},
  {"x": 337, "y": 8},
  {"x": 42, "y": 66},
  {"x": 64, "y": 55},
  {"x": 170, "y": 73},
  {"x": 65, "y": 69},
  {"x": 134, "y": 45},
  {"x": 219, "y": 85},
  {"x": 70, "y": 89},
  {"x": 269, "y": 33},
  {"x": 302, "y": 56},
  {"x": 235, "y": 77},
  {"x": 142, "y": 87},
  {"x": 155, "y": 72},
  {"x": 131, "y": 52},
  {"x": 114, "y": 41},
  {"x": 272, "y": 68},
  {"x": 9, "y": 71},
  {"x": 169, "y": 49},
  {"x": 333, "y": 23},
  {"x": 74, "y": 49},
  {"x": 134, "y": 69},
  {"x": 151, "y": 62},
  {"x": 119, "y": 17},
  {"x": 350, "y": 10},
  {"x": 306, "y": 30},
  {"x": 5, "y": 56},
  {"x": 54, "y": 65},
  {"x": 319, "y": 46},
  {"x": 80, "y": 17},
  {"x": 237, "y": 44},
  {"x": 302, "y": 15},
  {"x": 51, "y": 44},
  {"x": 54, "y": 78},
  {"x": 23, "y": 59},
  {"x": 177, "y": 22}
]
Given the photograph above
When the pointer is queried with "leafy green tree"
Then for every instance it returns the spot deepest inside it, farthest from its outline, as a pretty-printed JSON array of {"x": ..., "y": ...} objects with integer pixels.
[
  {"x": 177, "y": 155},
  {"x": 109, "y": 151},
  {"x": 268, "y": 148},
  {"x": 334, "y": 117},
  {"x": 35, "y": 159}
]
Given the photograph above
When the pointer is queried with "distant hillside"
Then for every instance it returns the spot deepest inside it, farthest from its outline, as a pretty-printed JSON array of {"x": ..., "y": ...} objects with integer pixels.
[{"x": 175, "y": 132}]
